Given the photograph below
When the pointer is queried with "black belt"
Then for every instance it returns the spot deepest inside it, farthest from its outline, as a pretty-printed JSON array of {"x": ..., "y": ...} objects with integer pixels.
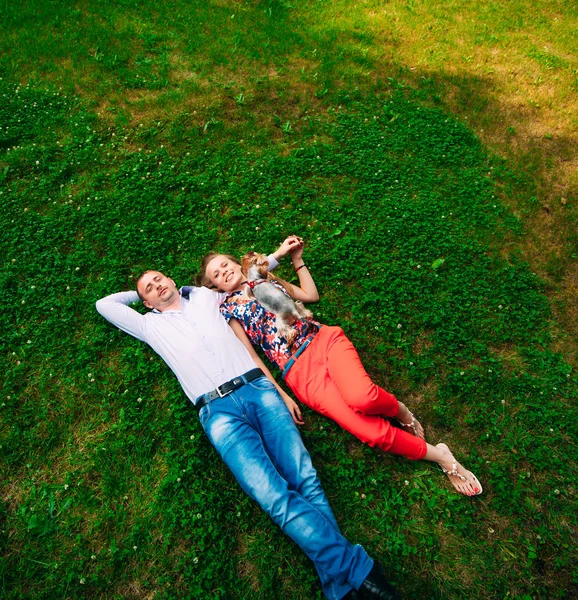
[{"x": 228, "y": 387}]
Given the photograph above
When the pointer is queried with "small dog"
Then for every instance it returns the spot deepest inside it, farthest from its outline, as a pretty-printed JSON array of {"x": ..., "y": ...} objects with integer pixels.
[{"x": 286, "y": 311}]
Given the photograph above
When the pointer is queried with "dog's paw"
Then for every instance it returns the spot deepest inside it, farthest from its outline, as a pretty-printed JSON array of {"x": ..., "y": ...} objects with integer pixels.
[{"x": 304, "y": 313}]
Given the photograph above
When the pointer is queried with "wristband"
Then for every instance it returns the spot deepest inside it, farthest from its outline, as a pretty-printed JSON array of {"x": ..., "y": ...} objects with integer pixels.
[{"x": 300, "y": 267}]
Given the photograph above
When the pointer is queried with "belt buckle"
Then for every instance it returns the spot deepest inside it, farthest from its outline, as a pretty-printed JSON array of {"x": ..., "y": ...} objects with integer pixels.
[
  {"x": 221, "y": 394},
  {"x": 234, "y": 385}
]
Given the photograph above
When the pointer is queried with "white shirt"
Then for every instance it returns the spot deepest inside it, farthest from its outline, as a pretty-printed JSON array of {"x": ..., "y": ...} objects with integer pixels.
[{"x": 196, "y": 342}]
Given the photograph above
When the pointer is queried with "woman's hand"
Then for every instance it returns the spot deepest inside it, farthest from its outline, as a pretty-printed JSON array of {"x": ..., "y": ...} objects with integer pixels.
[
  {"x": 296, "y": 251},
  {"x": 293, "y": 408},
  {"x": 290, "y": 245}
]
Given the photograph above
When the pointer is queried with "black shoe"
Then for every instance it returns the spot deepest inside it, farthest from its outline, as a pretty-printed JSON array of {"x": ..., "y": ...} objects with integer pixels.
[
  {"x": 375, "y": 587},
  {"x": 352, "y": 595}
]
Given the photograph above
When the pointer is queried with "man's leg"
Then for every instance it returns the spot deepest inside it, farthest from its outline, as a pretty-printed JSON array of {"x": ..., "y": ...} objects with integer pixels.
[
  {"x": 284, "y": 445},
  {"x": 233, "y": 425}
]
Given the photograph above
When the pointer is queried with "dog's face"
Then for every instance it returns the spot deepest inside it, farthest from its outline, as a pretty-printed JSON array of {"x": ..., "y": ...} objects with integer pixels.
[{"x": 258, "y": 263}]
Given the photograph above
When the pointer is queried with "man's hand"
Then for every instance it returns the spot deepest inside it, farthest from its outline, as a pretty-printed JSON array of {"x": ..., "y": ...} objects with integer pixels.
[{"x": 289, "y": 246}]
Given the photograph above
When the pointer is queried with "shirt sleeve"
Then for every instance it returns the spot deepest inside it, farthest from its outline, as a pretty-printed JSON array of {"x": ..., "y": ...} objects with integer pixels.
[
  {"x": 116, "y": 310},
  {"x": 273, "y": 262}
]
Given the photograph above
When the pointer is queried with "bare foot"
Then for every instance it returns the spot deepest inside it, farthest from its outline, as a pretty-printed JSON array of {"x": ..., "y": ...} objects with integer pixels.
[
  {"x": 406, "y": 419},
  {"x": 464, "y": 481}
]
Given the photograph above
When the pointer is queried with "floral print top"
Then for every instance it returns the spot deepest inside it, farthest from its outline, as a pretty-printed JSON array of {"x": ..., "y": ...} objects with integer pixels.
[{"x": 260, "y": 326}]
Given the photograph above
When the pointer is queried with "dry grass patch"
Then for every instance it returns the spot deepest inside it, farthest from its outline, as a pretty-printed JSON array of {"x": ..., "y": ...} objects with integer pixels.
[
  {"x": 510, "y": 72},
  {"x": 246, "y": 569}
]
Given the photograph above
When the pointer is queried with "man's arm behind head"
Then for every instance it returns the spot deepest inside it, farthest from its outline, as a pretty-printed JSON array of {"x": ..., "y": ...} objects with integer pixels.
[{"x": 116, "y": 309}]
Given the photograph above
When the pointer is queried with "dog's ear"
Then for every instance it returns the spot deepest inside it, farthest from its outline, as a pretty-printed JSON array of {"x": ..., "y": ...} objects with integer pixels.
[{"x": 247, "y": 260}]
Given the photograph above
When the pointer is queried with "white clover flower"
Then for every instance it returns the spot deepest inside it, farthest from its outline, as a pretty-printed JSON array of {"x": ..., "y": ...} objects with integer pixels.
[
  {"x": 196, "y": 560},
  {"x": 406, "y": 482},
  {"x": 557, "y": 492},
  {"x": 134, "y": 547},
  {"x": 93, "y": 557},
  {"x": 178, "y": 480},
  {"x": 82, "y": 581},
  {"x": 399, "y": 325}
]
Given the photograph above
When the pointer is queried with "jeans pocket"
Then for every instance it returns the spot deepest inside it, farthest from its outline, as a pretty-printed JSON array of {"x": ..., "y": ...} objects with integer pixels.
[
  {"x": 205, "y": 414},
  {"x": 262, "y": 383}
]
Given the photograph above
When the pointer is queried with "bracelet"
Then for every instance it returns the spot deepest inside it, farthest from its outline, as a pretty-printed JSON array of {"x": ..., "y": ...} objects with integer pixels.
[{"x": 300, "y": 267}]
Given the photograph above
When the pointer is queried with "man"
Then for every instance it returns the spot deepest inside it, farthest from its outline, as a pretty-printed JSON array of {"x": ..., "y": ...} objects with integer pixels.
[{"x": 247, "y": 422}]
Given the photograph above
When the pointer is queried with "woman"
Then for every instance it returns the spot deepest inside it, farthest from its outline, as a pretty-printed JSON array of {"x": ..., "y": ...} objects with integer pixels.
[{"x": 323, "y": 368}]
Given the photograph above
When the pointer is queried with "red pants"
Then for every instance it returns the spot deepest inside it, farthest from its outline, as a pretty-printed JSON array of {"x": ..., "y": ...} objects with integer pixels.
[{"x": 329, "y": 378}]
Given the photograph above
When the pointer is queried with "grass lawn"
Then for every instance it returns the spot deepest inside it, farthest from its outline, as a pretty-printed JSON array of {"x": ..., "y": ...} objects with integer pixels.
[{"x": 426, "y": 153}]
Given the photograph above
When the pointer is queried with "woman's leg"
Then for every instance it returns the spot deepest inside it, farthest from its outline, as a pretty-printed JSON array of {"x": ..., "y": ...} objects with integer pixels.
[
  {"x": 313, "y": 385},
  {"x": 464, "y": 481},
  {"x": 356, "y": 387}
]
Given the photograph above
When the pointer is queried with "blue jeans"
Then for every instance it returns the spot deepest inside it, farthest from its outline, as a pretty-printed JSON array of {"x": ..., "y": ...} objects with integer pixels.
[{"x": 254, "y": 433}]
